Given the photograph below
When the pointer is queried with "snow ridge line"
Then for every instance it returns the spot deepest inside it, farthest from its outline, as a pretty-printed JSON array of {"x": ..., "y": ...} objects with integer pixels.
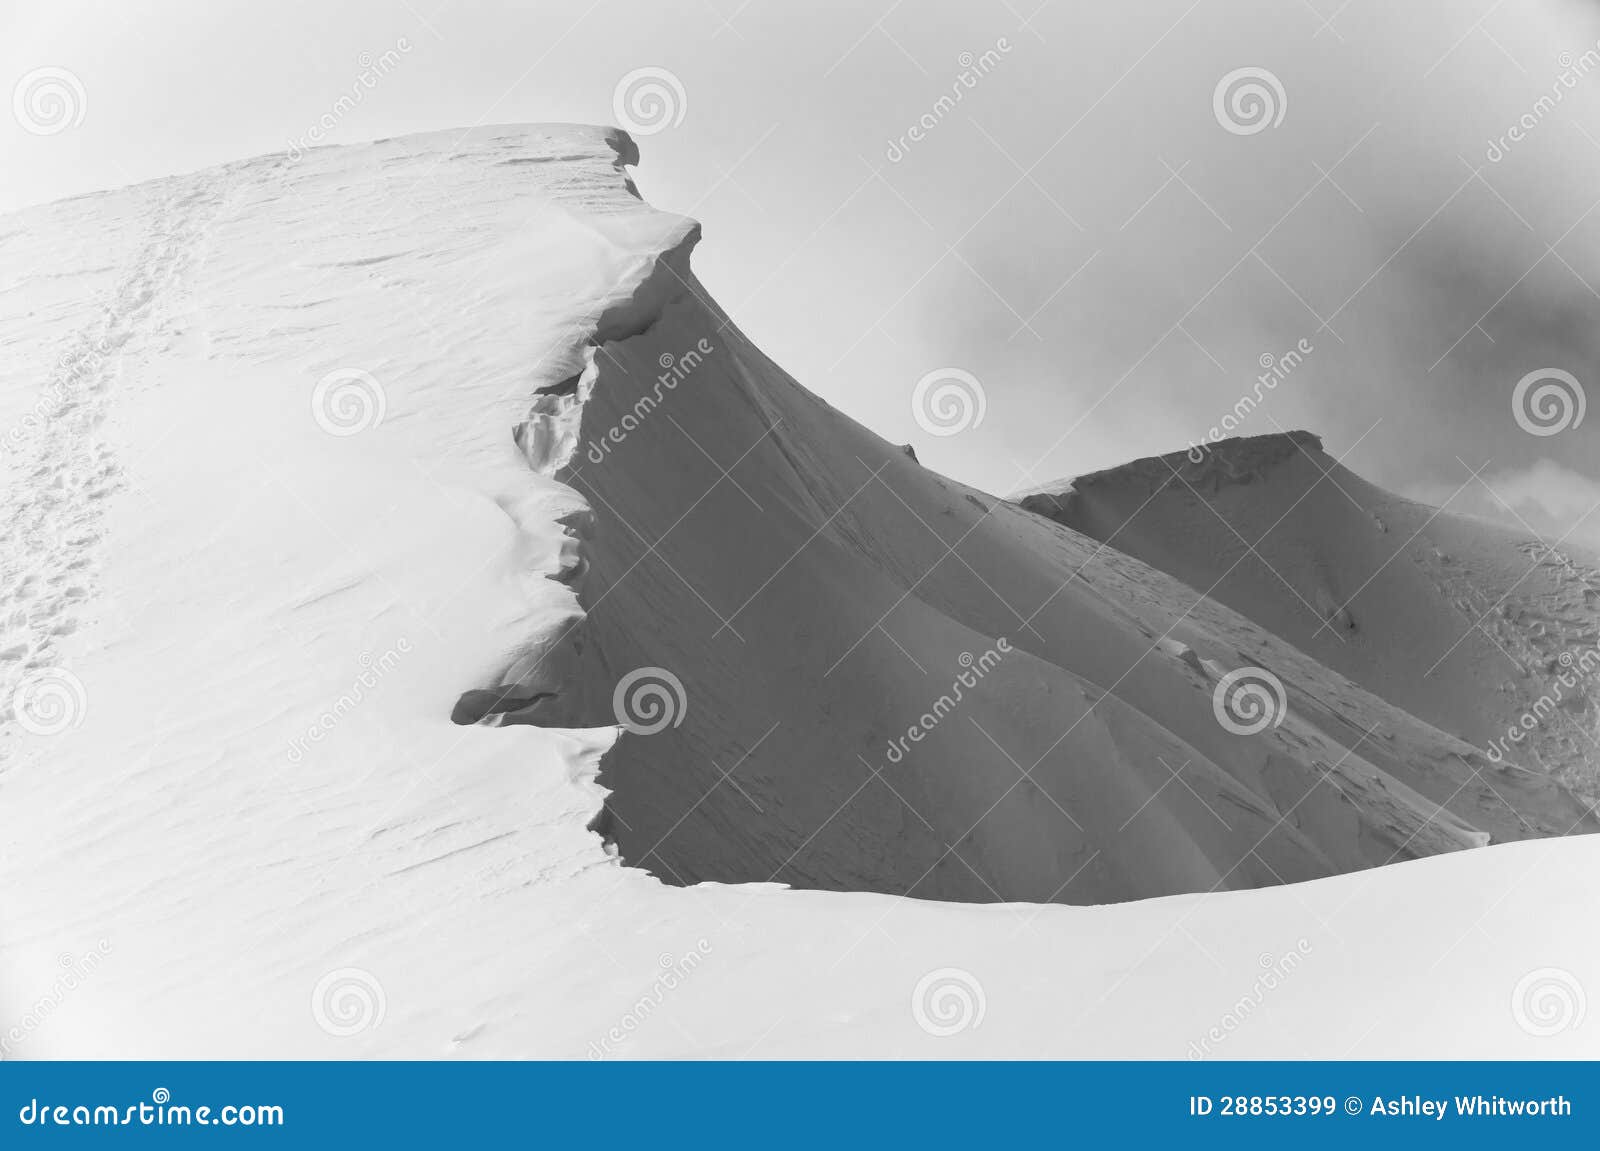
[
  {"x": 1238, "y": 459},
  {"x": 547, "y": 440}
]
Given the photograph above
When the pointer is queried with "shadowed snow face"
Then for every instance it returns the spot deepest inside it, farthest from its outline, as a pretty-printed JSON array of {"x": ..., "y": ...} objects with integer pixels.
[{"x": 833, "y": 668}]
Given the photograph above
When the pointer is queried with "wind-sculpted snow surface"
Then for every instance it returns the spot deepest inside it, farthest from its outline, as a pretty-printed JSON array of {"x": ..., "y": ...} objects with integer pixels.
[{"x": 341, "y": 479}]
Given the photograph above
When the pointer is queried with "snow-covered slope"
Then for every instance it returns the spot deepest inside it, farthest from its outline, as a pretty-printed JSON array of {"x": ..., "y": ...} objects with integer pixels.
[
  {"x": 312, "y": 463},
  {"x": 1463, "y": 623},
  {"x": 816, "y": 592}
]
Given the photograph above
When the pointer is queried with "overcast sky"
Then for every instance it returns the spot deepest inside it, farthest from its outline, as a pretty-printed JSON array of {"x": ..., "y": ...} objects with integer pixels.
[{"x": 1105, "y": 245}]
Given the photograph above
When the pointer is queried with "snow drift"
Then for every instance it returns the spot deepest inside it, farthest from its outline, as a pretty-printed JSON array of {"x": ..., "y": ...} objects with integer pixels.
[{"x": 345, "y": 553}]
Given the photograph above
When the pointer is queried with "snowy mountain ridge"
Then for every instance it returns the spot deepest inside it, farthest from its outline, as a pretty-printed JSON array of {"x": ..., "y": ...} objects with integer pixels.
[
  {"x": 325, "y": 484},
  {"x": 1491, "y": 634}
]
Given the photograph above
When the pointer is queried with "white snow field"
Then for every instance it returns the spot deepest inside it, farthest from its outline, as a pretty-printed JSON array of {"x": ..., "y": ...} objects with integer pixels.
[{"x": 360, "y": 504}]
